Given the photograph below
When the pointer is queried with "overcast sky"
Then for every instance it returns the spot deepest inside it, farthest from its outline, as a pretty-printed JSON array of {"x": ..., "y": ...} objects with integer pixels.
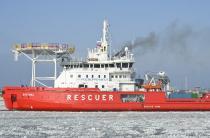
[{"x": 182, "y": 28}]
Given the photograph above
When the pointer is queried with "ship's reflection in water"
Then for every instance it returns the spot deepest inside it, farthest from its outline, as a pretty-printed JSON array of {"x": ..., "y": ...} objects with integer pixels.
[{"x": 103, "y": 124}]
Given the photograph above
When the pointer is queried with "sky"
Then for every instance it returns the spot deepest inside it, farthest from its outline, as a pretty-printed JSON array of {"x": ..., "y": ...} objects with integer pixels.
[{"x": 182, "y": 29}]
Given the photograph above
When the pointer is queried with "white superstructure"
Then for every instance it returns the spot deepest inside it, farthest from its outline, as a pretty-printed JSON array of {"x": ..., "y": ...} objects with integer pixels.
[{"x": 100, "y": 69}]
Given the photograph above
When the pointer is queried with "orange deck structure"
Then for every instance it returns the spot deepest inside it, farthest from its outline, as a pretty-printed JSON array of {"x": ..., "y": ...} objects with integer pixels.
[{"x": 92, "y": 99}]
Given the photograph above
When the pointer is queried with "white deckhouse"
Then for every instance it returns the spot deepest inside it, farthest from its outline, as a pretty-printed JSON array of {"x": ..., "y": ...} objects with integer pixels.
[{"x": 100, "y": 69}]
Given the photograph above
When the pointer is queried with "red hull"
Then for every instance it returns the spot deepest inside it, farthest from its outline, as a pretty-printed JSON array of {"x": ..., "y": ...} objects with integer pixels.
[{"x": 91, "y": 99}]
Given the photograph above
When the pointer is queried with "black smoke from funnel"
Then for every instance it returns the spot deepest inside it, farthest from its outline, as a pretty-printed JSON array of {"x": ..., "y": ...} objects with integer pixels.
[
  {"x": 176, "y": 39},
  {"x": 181, "y": 50},
  {"x": 145, "y": 42}
]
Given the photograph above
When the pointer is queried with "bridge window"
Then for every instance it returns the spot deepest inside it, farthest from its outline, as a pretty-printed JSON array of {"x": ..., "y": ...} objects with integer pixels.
[
  {"x": 102, "y": 65},
  {"x": 125, "y": 65},
  {"x": 71, "y": 76},
  {"x": 96, "y": 65},
  {"x": 86, "y": 76},
  {"x": 79, "y": 76},
  {"x": 132, "y": 98},
  {"x": 104, "y": 76},
  {"x": 102, "y": 86},
  {"x": 111, "y": 65},
  {"x": 86, "y": 65},
  {"x": 118, "y": 65},
  {"x": 130, "y": 65},
  {"x": 99, "y": 76},
  {"x": 106, "y": 65}
]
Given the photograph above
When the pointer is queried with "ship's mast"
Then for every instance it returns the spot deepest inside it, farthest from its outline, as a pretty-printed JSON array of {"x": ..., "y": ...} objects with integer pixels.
[
  {"x": 105, "y": 32},
  {"x": 101, "y": 52},
  {"x": 105, "y": 38}
]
